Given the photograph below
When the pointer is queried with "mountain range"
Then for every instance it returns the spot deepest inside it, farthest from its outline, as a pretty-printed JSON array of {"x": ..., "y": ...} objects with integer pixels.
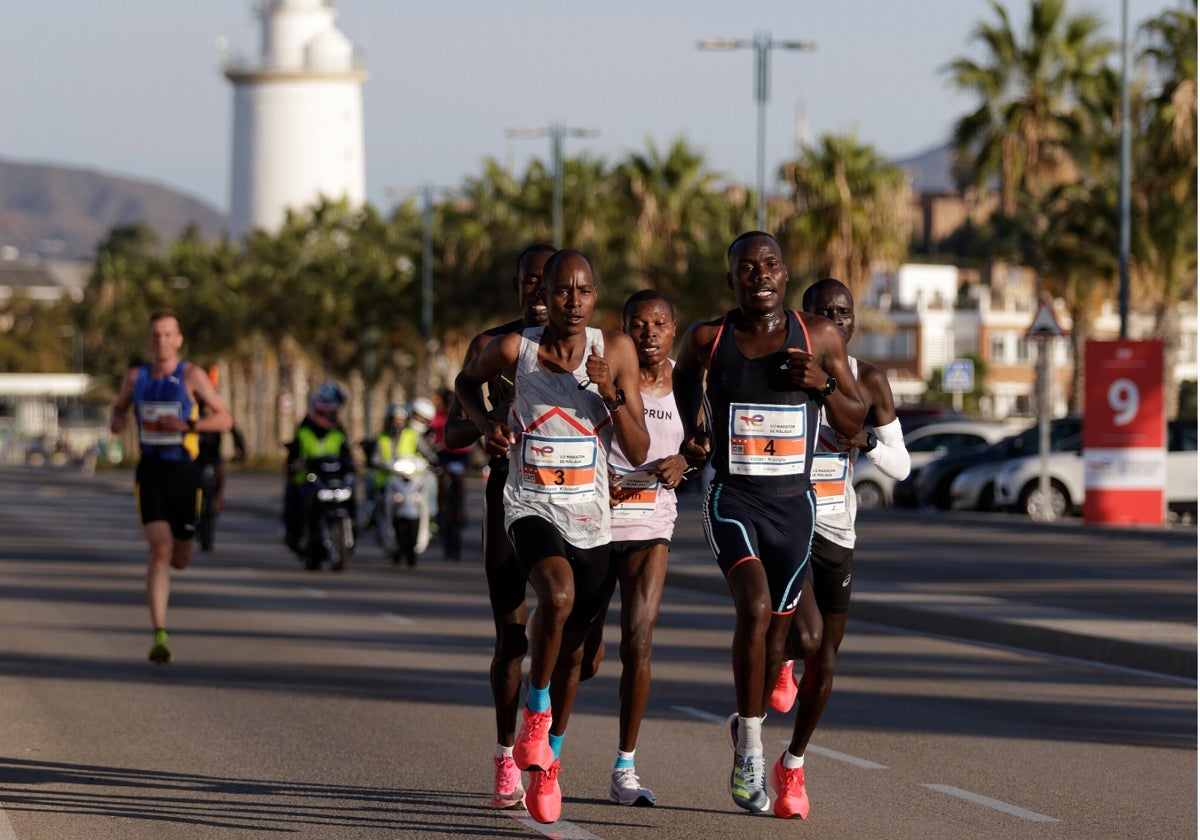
[{"x": 62, "y": 212}]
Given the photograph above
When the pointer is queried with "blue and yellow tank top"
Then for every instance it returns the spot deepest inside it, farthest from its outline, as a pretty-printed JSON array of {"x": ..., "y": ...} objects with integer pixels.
[{"x": 155, "y": 398}]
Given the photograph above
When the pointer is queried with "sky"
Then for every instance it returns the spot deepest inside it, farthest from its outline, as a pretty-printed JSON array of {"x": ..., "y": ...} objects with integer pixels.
[{"x": 133, "y": 87}]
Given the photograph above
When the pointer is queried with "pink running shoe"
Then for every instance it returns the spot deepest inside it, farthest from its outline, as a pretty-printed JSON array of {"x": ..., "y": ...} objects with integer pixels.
[
  {"x": 544, "y": 799},
  {"x": 791, "y": 799},
  {"x": 532, "y": 748},
  {"x": 784, "y": 695},
  {"x": 508, "y": 792}
]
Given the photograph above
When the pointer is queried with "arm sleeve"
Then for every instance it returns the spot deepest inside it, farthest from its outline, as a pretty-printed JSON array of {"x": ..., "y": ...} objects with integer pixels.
[{"x": 890, "y": 454}]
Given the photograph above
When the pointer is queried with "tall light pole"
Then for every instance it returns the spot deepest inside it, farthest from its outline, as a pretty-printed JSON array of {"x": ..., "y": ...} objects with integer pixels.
[
  {"x": 762, "y": 44},
  {"x": 556, "y": 132}
]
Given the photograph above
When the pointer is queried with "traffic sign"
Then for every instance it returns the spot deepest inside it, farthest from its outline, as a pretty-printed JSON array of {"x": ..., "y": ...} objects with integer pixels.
[
  {"x": 1044, "y": 325},
  {"x": 958, "y": 377}
]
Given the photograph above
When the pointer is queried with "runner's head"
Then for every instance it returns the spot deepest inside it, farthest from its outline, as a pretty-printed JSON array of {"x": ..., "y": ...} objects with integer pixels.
[{"x": 832, "y": 299}]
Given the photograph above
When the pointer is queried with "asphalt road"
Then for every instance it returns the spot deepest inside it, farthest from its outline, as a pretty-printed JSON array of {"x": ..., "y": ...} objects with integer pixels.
[{"x": 356, "y": 705}]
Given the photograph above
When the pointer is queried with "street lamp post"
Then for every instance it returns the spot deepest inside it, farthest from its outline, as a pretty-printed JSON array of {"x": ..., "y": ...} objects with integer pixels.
[
  {"x": 556, "y": 132},
  {"x": 762, "y": 44}
]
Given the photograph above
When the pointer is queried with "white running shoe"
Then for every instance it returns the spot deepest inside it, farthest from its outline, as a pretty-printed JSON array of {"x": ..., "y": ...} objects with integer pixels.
[{"x": 626, "y": 789}]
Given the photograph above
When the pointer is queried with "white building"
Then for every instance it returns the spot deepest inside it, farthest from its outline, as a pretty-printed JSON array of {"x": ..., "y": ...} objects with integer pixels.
[
  {"x": 297, "y": 117},
  {"x": 925, "y": 322}
]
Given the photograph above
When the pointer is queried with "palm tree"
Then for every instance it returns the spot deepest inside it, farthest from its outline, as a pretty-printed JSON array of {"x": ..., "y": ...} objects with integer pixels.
[
  {"x": 849, "y": 212},
  {"x": 1029, "y": 87}
]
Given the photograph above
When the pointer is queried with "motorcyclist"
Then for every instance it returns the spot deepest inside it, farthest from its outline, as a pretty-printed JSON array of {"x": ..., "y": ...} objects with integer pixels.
[
  {"x": 319, "y": 434},
  {"x": 386, "y": 447},
  {"x": 416, "y": 439}
]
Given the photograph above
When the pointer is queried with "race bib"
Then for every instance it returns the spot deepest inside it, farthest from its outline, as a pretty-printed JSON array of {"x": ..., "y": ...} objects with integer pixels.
[
  {"x": 151, "y": 415},
  {"x": 830, "y": 476},
  {"x": 767, "y": 439},
  {"x": 560, "y": 470},
  {"x": 637, "y": 491}
]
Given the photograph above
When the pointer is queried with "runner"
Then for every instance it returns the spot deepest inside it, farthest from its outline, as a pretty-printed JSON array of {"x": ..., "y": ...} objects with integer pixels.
[{"x": 763, "y": 373}]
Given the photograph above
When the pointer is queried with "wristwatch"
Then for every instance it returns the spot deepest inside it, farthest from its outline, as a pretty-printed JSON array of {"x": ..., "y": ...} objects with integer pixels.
[
  {"x": 871, "y": 443},
  {"x": 615, "y": 406},
  {"x": 191, "y": 425},
  {"x": 830, "y": 387}
]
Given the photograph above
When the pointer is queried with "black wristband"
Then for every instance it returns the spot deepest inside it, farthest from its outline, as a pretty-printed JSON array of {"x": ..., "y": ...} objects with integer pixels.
[{"x": 871, "y": 443}]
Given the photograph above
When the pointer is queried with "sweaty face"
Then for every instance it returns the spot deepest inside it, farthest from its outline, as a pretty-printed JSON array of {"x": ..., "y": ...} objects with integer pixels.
[
  {"x": 835, "y": 304},
  {"x": 757, "y": 274},
  {"x": 570, "y": 294},
  {"x": 530, "y": 288},
  {"x": 652, "y": 328}
]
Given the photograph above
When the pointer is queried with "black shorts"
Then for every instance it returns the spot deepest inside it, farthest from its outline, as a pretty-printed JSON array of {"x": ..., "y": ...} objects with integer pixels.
[
  {"x": 829, "y": 572},
  {"x": 746, "y": 525},
  {"x": 535, "y": 539},
  {"x": 169, "y": 491},
  {"x": 505, "y": 580}
]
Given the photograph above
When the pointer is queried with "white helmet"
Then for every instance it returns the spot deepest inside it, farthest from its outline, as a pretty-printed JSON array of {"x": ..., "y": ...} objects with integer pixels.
[{"x": 422, "y": 408}]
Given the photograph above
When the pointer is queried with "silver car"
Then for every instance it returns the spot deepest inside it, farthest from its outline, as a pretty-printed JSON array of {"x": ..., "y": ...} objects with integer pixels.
[{"x": 925, "y": 443}]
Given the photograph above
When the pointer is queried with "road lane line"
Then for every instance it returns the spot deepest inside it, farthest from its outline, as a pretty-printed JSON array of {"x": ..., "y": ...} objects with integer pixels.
[
  {"x": 701, "y": 714},
  {"x": 560, "y": 830},
  {"x": 6, "y": 829},
  {"x": 995, "y": 804},
  {"x": 312, "y": 593},
  {"x": 398, "y": 619},
  {"x": 843, "y": 757}
]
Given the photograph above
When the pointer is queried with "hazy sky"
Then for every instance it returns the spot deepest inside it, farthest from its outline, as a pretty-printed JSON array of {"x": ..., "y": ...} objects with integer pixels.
[{"x": 132, "y": 87}]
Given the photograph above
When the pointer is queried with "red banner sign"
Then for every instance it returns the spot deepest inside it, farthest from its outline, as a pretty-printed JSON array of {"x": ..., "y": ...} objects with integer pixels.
[{"x": 1124, "y": 433}]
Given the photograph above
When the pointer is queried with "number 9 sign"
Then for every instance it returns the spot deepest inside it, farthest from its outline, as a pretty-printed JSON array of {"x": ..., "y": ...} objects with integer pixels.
[{"x": 1123, "y": 400}]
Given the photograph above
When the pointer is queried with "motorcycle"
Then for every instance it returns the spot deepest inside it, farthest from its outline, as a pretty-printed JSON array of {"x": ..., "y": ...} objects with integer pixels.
[
  {"x": 329, "y": 516},
  {"x": 402, "y": 510}
]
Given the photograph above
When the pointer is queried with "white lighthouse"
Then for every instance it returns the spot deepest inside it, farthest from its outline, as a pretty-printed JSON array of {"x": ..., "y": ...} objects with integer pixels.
[{"x": 297, "y": 117}]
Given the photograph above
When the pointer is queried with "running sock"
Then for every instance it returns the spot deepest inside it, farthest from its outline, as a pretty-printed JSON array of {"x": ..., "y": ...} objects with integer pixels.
[
  {"x": 624, "y": 759},
  {"x": 502, "y": 751},
  {"x": 790, "y": 762},
  {"x": 538, "y": 699},
  {"x": 160, "y": 636},
  {"x": 750, "y": 733},
  {"x": 556, "y": 743}
]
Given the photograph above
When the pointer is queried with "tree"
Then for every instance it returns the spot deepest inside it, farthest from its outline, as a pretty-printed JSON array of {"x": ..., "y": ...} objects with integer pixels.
[
  {"x": 849, "y": 212},
  {"x": 1029, "y": 89}
]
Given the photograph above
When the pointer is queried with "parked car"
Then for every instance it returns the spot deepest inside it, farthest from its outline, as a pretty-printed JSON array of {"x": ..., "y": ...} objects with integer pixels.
[
  {"x": 1018, "y": 481},
  {"x": 924, "y": 443},
  {"x": 975, "y": 487},
  {"x": 930, "y": 487}
]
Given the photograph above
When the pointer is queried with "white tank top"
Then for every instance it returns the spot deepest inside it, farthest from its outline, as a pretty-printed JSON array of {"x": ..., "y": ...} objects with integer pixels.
[
  {"x": 833, "y": 480},
  {"x": 558, "y": 467},
  {"x": 650, "y": 514}
]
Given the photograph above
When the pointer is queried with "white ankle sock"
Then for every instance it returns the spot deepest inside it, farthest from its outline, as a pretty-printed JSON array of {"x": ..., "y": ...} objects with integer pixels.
[
  {"x": 790, "y": 762},
  {"x": 750, "y": 734}
]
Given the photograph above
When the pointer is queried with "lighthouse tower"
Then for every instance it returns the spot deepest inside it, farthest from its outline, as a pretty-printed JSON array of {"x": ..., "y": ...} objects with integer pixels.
[{"x": 297, "y": 117}]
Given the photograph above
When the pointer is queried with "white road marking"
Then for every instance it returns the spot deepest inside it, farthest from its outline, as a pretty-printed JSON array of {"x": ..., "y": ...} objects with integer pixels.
[
  {"x": 311, "y": 592},
  {"x": 843, "y": 757},
  {"x": 6, "y": 829},
  {"x": 700, "y": 714},
  {"x": 560, "y": 830},
  {"x": 398, "y": 619},
  {"x": 995, "y": 804}
]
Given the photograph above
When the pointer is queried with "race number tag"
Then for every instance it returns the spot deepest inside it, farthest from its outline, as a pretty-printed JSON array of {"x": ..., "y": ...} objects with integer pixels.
[
  {"x": 830, "y": 476},
  {"x": 559, "y": 470},
  {"x": 637, "y": 492},
  {"x": 767, "y": 439},
  {"x": 151, "y": 415}
]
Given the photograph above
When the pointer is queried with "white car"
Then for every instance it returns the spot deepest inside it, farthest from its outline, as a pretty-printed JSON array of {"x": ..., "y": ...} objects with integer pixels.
[
  {"x": 924, "y": 443},
  {"x": 1018, "y": 481}
]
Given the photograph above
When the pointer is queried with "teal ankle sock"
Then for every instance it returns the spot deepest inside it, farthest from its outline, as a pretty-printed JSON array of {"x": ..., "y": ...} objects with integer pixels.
[
  {"x": 556, "y": 743},
  {"x": 624, "y": 760},
  {"x": 539, "y": 699}
]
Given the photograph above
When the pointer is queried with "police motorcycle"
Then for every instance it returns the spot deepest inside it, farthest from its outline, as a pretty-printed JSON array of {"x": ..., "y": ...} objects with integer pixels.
[
  {"x": 328, "y": 535},
  {"x": 405, "y": 504}
]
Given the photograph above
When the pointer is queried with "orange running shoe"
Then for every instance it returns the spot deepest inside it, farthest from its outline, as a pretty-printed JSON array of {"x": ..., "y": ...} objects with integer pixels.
[
  {"x": 532, "y": 751},
  {"x": 784, "y": 695},
  {"x": 791, "y": 798},
  {"x": 544, "y": 799}
]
